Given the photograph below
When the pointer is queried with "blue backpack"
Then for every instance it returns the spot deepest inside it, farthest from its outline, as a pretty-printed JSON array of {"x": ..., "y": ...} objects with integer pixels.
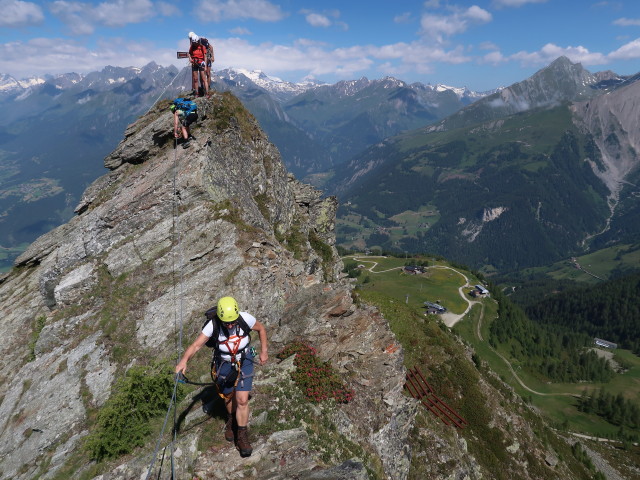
[{"x": 187, "y": 106}]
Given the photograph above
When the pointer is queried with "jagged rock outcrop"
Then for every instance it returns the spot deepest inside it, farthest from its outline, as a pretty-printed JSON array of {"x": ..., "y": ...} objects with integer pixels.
[{"x": 159, "y": 238}]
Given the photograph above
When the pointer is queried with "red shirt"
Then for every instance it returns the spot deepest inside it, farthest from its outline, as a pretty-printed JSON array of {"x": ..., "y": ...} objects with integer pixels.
[{"x": 197, "y": 52}]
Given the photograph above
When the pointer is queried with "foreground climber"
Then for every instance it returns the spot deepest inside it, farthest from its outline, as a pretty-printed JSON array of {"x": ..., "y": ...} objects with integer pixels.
[{"x": 232, "y": 365}]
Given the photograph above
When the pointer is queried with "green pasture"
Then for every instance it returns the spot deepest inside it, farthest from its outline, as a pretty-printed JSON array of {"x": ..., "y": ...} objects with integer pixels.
[
  {"x": 560, "y": 408},
  {"x": 438, "y": 284},
  {"x": 353, "y": 229},
  {"x": 600, "y": 263},
  {"x": 558, "y": 401}
]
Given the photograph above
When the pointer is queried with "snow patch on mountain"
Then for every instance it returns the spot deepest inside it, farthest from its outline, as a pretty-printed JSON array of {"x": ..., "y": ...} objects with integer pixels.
[
  {"x": 271, "y": 84},
  {"x": 8, "y": 84},
  {"x": 463, "y": 92}
]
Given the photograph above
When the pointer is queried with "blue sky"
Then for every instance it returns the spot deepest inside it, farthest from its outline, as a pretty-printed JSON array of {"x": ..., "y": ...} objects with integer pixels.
[{"x": 480, "y": 45}]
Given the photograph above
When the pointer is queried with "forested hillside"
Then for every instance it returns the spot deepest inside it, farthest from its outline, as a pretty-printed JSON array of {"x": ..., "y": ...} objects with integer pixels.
[
  {"x": 504, "y": 198},
  {"x": 550, "y": 350},
  {"x": 610, "y": 310}
]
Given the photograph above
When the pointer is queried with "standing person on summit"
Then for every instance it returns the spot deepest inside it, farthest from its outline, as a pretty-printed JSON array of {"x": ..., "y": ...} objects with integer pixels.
[
  {"x": 210, "y": 59},
  {"x": 232, "y": 364},
  {"x": 197, "y": 57}
]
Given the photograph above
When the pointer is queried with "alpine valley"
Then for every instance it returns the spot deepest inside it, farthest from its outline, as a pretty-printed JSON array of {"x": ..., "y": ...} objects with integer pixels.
[
  {"x": 57, "y": 130},
  {"x": 540, "y": 171}
]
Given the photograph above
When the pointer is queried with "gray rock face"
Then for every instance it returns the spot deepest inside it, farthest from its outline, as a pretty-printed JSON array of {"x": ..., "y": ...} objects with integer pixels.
[
  {"x": 156, "y": 241},
  {"x": 612, "y": 121}
]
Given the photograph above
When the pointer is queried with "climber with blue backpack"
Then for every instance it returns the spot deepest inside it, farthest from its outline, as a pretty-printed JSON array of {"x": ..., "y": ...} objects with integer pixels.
[
  {"x": 227, "y": 330},
  {"x": 185, "y": 112}
]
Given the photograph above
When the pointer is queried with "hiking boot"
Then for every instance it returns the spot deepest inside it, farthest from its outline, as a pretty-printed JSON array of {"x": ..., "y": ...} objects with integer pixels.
[
  {"x": 186, "y": 144},
  {"x": 243, "y": 442},
  {"x": 229, "y": 436}
]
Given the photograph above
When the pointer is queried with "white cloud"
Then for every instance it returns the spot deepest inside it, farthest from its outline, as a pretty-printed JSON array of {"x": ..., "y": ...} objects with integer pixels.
[
  {"x": 627, "y": 22},
  {"x": 240, "y": 31},
  {"x": 440, "y": 27},
  {"x": 168, "y": 9},
  {"x": 318, "y": 59},
  {"x": 17, "y": 14},
  {"x": 74, "y": 15},
  {"x": 488, "y": 46},
  {"x": 122, "y": 12},
  {"x": 477, "y": 14},
  {"x": 627, "y": 52},
  {"x": 324, "y": 20},
  {"x": 62, "y": 56},
  {"x": 514, "y": 3},
  {"x": 218, "y": 10},
  {"x": 403, "y": 18},
  {"x": 81, "y": 17},
  {"x": 550, "y": 52},
  {"x": 318, "y": 20},
  {"x": 493, "y": 58}
]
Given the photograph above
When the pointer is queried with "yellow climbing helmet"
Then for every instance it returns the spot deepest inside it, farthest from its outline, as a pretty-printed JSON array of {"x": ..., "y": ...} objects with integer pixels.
[{"x": 228, "y": 309}]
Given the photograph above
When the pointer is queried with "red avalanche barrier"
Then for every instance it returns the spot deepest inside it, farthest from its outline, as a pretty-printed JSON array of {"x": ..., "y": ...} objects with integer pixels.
[{"x": 420, "y": 389}]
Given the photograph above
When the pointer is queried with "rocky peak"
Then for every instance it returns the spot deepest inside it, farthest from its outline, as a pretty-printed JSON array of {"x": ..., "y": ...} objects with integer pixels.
[
  {"x": 559, "y": 82},
  {"x": 159, "y": 238}
]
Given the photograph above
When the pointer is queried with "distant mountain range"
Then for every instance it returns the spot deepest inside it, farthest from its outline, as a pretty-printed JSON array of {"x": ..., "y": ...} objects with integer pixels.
[
  {"x": 56, "y": 130},
  {"x": 536, "y": 172},
  {"x": 519, "y": 176},
  {"x": 54, "y": 134},
  {"x": 317, "y": 126}
]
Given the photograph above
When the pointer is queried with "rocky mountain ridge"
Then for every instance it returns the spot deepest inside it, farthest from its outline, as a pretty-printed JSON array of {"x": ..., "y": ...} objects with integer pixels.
[
  {"x": 245, "y": 229},
  {"x": 559, "y": 82},
  {"x": 154, "y": 243}
]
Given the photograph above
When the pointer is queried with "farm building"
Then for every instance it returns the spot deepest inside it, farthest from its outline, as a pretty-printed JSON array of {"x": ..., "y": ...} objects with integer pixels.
[
  {"x": 413, "y": 270},
  {"x": 434, "y": 307},
  {"x": 604, "y": 343}
]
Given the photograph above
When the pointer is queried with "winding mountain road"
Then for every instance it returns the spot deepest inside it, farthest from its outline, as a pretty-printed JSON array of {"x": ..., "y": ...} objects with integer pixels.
[{"x": 450, "y": 319}]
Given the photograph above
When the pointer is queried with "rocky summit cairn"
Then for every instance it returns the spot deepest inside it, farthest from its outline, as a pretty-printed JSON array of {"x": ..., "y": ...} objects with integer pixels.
[{"x": 155, "y": 241}]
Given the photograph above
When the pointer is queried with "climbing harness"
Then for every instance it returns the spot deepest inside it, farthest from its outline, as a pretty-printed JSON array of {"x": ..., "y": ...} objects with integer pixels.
[{"x": 235, "y": 375}]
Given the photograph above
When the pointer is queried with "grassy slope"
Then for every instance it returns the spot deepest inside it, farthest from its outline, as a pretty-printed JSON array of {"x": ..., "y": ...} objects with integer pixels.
[
  {"x": 558, "y": 400},
  {"x": 601, "y": 263},
  {"x": 428, "y": 344}
]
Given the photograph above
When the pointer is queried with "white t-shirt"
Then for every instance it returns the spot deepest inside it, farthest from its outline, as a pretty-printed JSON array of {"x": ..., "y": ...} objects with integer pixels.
[{"x": 233, "y": 339}]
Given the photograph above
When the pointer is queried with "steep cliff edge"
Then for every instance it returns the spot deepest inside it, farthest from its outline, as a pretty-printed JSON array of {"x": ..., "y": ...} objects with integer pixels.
[{"x": 156, "y": 241}]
